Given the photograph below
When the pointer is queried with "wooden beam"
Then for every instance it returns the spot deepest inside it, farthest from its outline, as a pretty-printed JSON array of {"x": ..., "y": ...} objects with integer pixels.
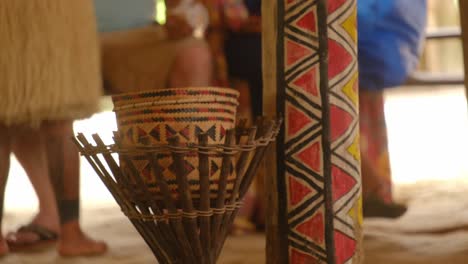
[{"x": 275, "y": 240}]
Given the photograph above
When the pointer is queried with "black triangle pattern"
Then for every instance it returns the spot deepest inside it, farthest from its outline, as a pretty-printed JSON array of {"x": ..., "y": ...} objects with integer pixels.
[{"x": 156, "y": 133}]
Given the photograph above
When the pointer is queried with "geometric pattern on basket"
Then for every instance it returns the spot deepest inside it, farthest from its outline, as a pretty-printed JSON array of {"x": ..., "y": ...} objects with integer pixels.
[
  {"x": 211, "y": 132},
  {"x": 345, "y": 159},
  {"x": 144, "y": 136},
  {"x": 188, "y": 168},
  {"x": 191, "y": 169},
  {"x": 155, "y": 125},
  {"x": 214, "y": 168},
  {"x": 155, "y": 133}
]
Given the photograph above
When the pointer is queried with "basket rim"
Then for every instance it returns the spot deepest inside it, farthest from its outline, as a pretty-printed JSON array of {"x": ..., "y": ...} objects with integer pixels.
[
  {"x": 197, "y": 100},
  {"x": 200, "y": 91}
]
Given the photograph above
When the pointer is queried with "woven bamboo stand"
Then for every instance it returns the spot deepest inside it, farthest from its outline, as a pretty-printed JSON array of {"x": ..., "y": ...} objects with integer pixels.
[{"x": 181, "y": 229}]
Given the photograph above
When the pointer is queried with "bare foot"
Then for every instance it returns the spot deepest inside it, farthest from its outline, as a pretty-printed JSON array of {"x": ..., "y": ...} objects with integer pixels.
[
  {"x": 75, "y": 243},
  {"x": 3, "y": 247}
]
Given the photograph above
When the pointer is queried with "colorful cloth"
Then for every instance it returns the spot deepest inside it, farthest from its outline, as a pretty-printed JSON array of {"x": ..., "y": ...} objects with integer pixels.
[{"x": 391, "y": 34}]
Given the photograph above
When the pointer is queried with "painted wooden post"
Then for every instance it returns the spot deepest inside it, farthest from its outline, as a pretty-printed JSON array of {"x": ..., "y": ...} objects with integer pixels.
[{"x": 310, "y": 78}]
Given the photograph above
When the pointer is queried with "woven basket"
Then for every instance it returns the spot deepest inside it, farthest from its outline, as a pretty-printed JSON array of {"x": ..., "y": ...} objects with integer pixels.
[
  {"x": 152, "y": 118},
  {"x": 181, "y": 228}
]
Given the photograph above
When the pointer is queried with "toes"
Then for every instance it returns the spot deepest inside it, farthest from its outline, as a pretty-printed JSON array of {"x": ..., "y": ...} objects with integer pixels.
[
  {"x": 99, "y": 247},
  {"x": 4, "y": 250}
]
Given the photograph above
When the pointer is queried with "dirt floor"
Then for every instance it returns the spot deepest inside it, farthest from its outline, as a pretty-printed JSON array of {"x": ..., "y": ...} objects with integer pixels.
[{"x": 435, "y": 230}]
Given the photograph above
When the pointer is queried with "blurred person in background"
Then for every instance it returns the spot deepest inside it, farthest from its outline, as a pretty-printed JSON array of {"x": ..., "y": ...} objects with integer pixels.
[
  {"x": 140, "y": 54},
  {"x": 391, "y": 35}
]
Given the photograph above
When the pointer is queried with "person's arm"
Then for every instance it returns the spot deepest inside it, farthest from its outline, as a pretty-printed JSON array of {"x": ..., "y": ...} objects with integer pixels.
[
  {"x": 185, "y": 16},
  {"x": 252, "y": 25}
]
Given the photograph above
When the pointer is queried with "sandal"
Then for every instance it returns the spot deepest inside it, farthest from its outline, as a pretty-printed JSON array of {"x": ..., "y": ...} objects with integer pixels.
[
  {"x": 375, "y": 207},
  {"x": 45, "y": 239}
]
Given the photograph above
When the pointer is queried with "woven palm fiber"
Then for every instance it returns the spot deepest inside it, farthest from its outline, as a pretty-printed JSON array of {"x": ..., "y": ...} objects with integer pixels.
[
  {"x": 49, "y": 62},
  {"x": 214, "y": 93},
  {"x": 153, "y": 117}
]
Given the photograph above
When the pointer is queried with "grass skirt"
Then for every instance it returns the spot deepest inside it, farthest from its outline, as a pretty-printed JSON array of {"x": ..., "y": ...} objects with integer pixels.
[{"x": 49, "y": 61}]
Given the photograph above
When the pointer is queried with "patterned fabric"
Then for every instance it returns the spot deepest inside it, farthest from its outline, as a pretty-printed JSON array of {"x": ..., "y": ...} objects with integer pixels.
[
  {"x": 225, "y": 16},
  {"x": 374, "y": 143}
]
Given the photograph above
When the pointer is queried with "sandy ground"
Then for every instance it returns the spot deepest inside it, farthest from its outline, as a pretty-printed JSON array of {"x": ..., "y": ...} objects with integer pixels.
[
  {"x": 434, "y": 231},
  {"x": 428, "y": 142},
  {"x": 126, "y": 246}
]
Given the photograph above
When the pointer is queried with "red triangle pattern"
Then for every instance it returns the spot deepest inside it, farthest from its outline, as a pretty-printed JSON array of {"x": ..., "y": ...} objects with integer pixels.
[
  {"x": 146, "y": 173},
  {"x": 333, "y": 5},
  {"x": 185, "y": 132},
  {"x": 311, "y": 156},
  {"x": 222, "y": 133},
  {"x": 308, "y": 21},
  {"x": 309, "y": 81},
  {"x": 297, "y": 257},
  {"x": 314, "y": 228},
  {"x": 289, "y": 1},
  {"x": 345, "y": 247},
  {"x": 297, "y": 191},
  {"x": 297, "y": 120},
  {"x": 141, "y": 132},
  {"x": 340, "y": 120},
  {"x": 342, "y": 182},
  {"x": 339, "y": 59},
  {"x": 295, "y": 52}
]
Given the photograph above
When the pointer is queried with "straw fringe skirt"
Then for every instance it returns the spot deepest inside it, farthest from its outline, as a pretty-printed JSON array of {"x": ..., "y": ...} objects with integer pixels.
[{"x": 49, "y": 61}]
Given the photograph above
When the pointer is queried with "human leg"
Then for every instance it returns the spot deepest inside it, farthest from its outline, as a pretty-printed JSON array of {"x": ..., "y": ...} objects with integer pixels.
[
  {"x": 244, "y": 57},
  {"x": 374, "y": 143},
  {"x": 374, "y": 189},
  {"x": 29, "y": 148},
  {"x": 5, "y": 149},
  {"x": 375, "y": 164},
  {"x": 64, "y": 170}
]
